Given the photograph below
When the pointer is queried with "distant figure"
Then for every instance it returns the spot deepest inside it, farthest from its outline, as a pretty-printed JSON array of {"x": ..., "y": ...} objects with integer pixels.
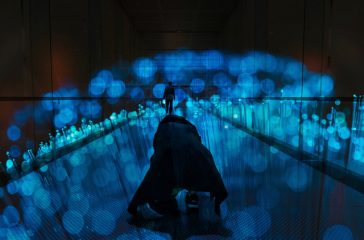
[
  {"x": 180, "y": 161},
  {"x": 169, "y": 96}
]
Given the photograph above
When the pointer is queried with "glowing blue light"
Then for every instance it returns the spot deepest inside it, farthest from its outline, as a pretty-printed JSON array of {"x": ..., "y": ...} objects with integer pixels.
[
  {"x": 197, "y": 85},
  {"x": 73, "y": 222},
  {"x": 338, "y": 232},
  {"x": 327, "y": 85},
  {"x": 90, "y": 109},
  {"x": 12, "y": 188},
  {"x": 27, "y": 187},
  {"x": 137, "y": 93},
  {"x": 11, "y": 216},
  {"x": 103, "y": 222},
  {"x": 212, "y": 59},
  {"x": 42, "y": 198},
  {"x": 97, "y": 86},
  {"x": 13, "y": 133},
  {"x": 267, "y": 86},
  {"x": 235, "y": 66},
  {"x": 116, "y": 89},
  {"x": 79, "y": 203},
  {"x": 180, "y": 95},
  {"x": 60, "y": 174},
  {"x": 145, "y": 68},
  {"x": 344, "y": 133},
  {"x": 297, "y": 179},
  {"x": 158, "y": 90},
  {"x": 14, "y": 151}
]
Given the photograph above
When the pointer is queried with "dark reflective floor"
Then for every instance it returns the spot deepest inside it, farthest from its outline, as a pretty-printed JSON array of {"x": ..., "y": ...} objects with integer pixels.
[{"x": 271, "y": 196}]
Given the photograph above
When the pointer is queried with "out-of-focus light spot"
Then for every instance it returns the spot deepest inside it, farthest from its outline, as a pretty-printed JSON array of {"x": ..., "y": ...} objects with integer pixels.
[
  {"x": 337, "y": 102},
  {"x": 42, "y": 198},
  {"x": 137, "y": 93},
  {"x": 180, "y": 95},
  {"x": 60, "y": 174},
  {"x": 12, "y": 188},
  {"x": 103, "y": 222},
  {"x": 344, "y": 133},
  {"x": 116, "y": 89},
  {"x": 97, "y": 86},
  {"x": 267, "y": 86},
  {"x": 158, "y": 90},
  {"x": 11, "y": 216},
  {"x": 145, "y": 69},
  {"x": 197, "y": 85},
  {"x": 14, "y": 151},
  {"x": 73, "y": 222},
  {"x": 212, "y": 59},
  {"x": 13, "y": 133},
  {"x": 327, "y": 85},
  {"x": 297, "y": 178},
  {"x": 338, "y": 232}
]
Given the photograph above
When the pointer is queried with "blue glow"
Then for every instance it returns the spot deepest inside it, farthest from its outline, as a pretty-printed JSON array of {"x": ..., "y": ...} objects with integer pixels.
[
  {"x": 212, "y": 60},
  {"x": 145, "y": 68},
  {"x": 97, "y": 86},
  {"x": 14, "y": 151},
  {"x": 137, "y": 93},
  {"x": 197, "y": 85},
  {"x": 267, "y": 86},
  {"x": 338, "y": 232},
  {"x": 116, "y": 89},
  {"x": 158, "y": 90},
  {"x": 73, "y": 222},
  {"x": 13, "y": 133},
  {"x": 11, "y": 216},
  {"x": 103, "y": 222}
]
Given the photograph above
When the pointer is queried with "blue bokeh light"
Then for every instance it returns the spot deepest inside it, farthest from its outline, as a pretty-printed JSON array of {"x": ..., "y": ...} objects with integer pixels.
[
  {"x": 13, "y": 133},
  {"x": 197, "y": 85}
]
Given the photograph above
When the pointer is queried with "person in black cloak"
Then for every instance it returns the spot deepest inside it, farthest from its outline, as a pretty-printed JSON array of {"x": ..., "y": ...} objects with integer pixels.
[{"x": 180, "y": 161}]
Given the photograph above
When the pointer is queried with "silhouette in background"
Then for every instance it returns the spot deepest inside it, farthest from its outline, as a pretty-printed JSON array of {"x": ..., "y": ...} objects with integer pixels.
[
  {"x": 169, "y": 96},
  {"x": 180, "y": 161}
]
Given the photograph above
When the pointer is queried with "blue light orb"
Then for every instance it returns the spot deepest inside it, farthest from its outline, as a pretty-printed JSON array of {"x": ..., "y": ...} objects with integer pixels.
[
  {"x": 116, "y": 89},
  {"x": 180, "y": 95},
  {"x": 248, "y": 64},
  {"x": 14, "y": 151},
  {"x": 338, "y": 232},
  {"x": 235, "y": 66},
  {"x": 267, "y": 86},
  {"x": 327, "y": 84},
  {"x": 103, "y": 222},
  {"x": 13, "y": 133},
  {"x": 145, "y": 69},
  {"x": 60, "y": 174},
  {"x": 197, "y": 85},
  {"x": 137, "y": 93},
  {"x": 90, "y": 109},
  {"x": 296, "y": 178},
  {"x": 11, "y": 216},
  {"x": 158, "y": 90},
  {"x": 97, "y": 86},
  {"x": 12, "y": 188},
  {"x": 344, "y": 133},
  {"x": 42, "y": 198},
  {"x": 212, "y": 59},
  {"x": 79, "y": 203},
  {"x": 73, "y": 222}
]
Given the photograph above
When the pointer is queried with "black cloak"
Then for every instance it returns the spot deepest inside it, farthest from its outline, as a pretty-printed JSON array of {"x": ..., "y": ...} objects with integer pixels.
[{"x": 180, "y": 161}]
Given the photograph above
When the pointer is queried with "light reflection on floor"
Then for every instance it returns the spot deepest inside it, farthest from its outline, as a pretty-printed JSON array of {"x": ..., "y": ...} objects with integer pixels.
[{"x": 85, "y": 194}]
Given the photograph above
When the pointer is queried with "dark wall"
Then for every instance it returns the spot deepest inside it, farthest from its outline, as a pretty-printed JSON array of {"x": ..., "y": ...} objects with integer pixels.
[{"x": 326, "y": 35}]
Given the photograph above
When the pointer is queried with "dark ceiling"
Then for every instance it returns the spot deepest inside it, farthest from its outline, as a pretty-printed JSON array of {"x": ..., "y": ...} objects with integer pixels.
[{"x": 178, "y": 15}]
